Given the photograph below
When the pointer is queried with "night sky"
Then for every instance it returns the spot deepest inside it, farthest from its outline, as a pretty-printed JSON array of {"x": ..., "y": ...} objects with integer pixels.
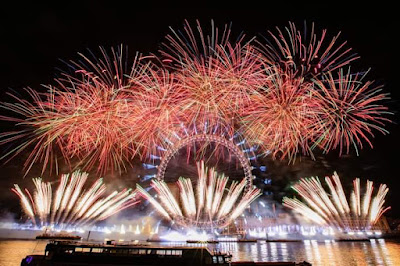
[{"x": 36, "y": 37}]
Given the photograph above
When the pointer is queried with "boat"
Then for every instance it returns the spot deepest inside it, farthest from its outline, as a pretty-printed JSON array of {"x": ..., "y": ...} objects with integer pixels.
[
  {"x": 78, "y": 253},
  {"x": 352, "y": 239},
  {"x": 67, "y": 253},
  {"x": 202, "y": 241},
  {"x": 61, "y": 236}
]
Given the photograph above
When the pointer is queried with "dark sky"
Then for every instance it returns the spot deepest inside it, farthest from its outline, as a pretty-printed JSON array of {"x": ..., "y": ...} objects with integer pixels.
[{"x": 34, "y": 37}]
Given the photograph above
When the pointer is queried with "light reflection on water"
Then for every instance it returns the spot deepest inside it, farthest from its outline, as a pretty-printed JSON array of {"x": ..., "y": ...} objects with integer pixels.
[{"x": 375, "y": 252}]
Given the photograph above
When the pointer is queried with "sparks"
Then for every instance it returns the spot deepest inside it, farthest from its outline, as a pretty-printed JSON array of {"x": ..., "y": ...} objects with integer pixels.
[
  {"x": 71, "y": 204},
  {"x": 213, "y": 204},
  {"x": 333, "y": 209},
  {"x": 286, "y": 97}
]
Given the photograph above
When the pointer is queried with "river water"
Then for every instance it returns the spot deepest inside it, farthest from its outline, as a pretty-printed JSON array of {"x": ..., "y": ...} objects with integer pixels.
[{"x": 374, "y": 252}]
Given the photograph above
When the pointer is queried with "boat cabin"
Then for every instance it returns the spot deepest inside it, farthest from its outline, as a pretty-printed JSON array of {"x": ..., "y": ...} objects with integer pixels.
[{"x": 66, "y": 253}]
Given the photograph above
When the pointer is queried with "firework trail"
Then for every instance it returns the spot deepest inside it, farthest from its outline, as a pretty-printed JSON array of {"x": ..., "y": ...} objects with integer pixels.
[
  {"x": 212, "y": 204},
  {"x": 26, "y": 204},
  {"x": 349, "y": 111},
  {"x": 305, "y": 54},
  {"x": 284, "y": 117},
  {"x": 154, "y": 109},
  {"x": 288, "y": 95},
  {"x": 85, "y": 116},
  {"x": 333, "y": 209},
  {"x": 71, "y": 204},
  {"x": 217, "y": 76}
]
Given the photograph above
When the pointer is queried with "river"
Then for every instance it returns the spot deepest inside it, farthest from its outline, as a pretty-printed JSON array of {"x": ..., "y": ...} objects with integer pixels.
[{"x": 373, "y": 252}]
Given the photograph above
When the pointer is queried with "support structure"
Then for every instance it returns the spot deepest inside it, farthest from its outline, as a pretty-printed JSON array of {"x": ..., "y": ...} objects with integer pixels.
[{"x": 211, "y": 138}]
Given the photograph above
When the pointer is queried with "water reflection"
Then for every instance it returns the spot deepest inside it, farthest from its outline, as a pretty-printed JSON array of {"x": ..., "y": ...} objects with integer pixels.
[
  {"x": 308, "y": 250},
  {"x": 285, "y": 254},
  {"x": 374, "y": 252},
  {"x": 385, "y": 252},
  {"x": 274, "y": 251},
  {"x": 329, "y": 252}
]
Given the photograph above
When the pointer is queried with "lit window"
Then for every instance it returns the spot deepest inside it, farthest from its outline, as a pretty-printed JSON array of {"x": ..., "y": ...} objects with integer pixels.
[
  {"x": 134, "y": 251},
  {"x": 177, "y": 252},
  {"x": 142, "y": 251},
  {"x": 78, "y": 249},
  {"x": 160, "y": 252},
  {"x": 215, "y": 260},
  {"x": 168, "y": 252},
  {"x": 97, "y": 250}
]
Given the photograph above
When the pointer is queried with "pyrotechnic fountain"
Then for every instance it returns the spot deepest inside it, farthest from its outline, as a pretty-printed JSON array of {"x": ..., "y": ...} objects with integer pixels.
[
  {"x": 213, "y": 205},
  {"x": 71, "y": 206},
  {"x": 333, "y": 210}
]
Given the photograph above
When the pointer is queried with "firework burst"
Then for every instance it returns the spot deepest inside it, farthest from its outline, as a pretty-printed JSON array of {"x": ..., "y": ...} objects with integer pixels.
[
  {"x": 333, "y": 209},
  {"x": 283, "y": 117},
  {"x": 72, "y": 205},
  {"x": 349, "y": 111},
  {"x": 305, "y": 54},
  {"x": 218, "y": 76},
  {"x": 281, "y": 96},
  {"x": 155, "y": 105},
  {"x": 86, "y": 116}
]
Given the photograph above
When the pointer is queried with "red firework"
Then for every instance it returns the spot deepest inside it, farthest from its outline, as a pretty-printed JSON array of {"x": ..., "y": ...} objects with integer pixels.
[
  {"x": 154, "y": 109},
  {"x": 306, "y": 54},
  {"x": 87, "y": 116},
  {"x": 281, "y": 96},
  {"x": 349, "y": 111},
  {"x": 217, "y": 76},
  {"x": 282, "y": 117}
]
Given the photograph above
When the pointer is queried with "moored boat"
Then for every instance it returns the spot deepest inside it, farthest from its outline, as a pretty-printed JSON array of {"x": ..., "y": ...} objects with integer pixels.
[
  {"x": 67, "y": 253},
  {"x": 75, "y": 253},
  {"x": 60, "y": 236},
  {"x": 202, "y": 241}
]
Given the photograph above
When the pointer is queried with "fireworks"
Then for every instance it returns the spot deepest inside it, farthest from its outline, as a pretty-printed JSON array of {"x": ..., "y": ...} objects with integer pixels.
[
  {"x": 154, "y": 109},
  {"x": 349, "y": 110},
  {"x": 86, "y": 116},
  {"x": 306, "y": 55},
  {"x": 217, "y": 76},
  {"x": 283, "y": 97},
  {"x": 71, "y": 204},
  {"x": 333, "y": 209},
  {"x": 283, "y": 118},
  {"x": 214, "y": 204}
]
